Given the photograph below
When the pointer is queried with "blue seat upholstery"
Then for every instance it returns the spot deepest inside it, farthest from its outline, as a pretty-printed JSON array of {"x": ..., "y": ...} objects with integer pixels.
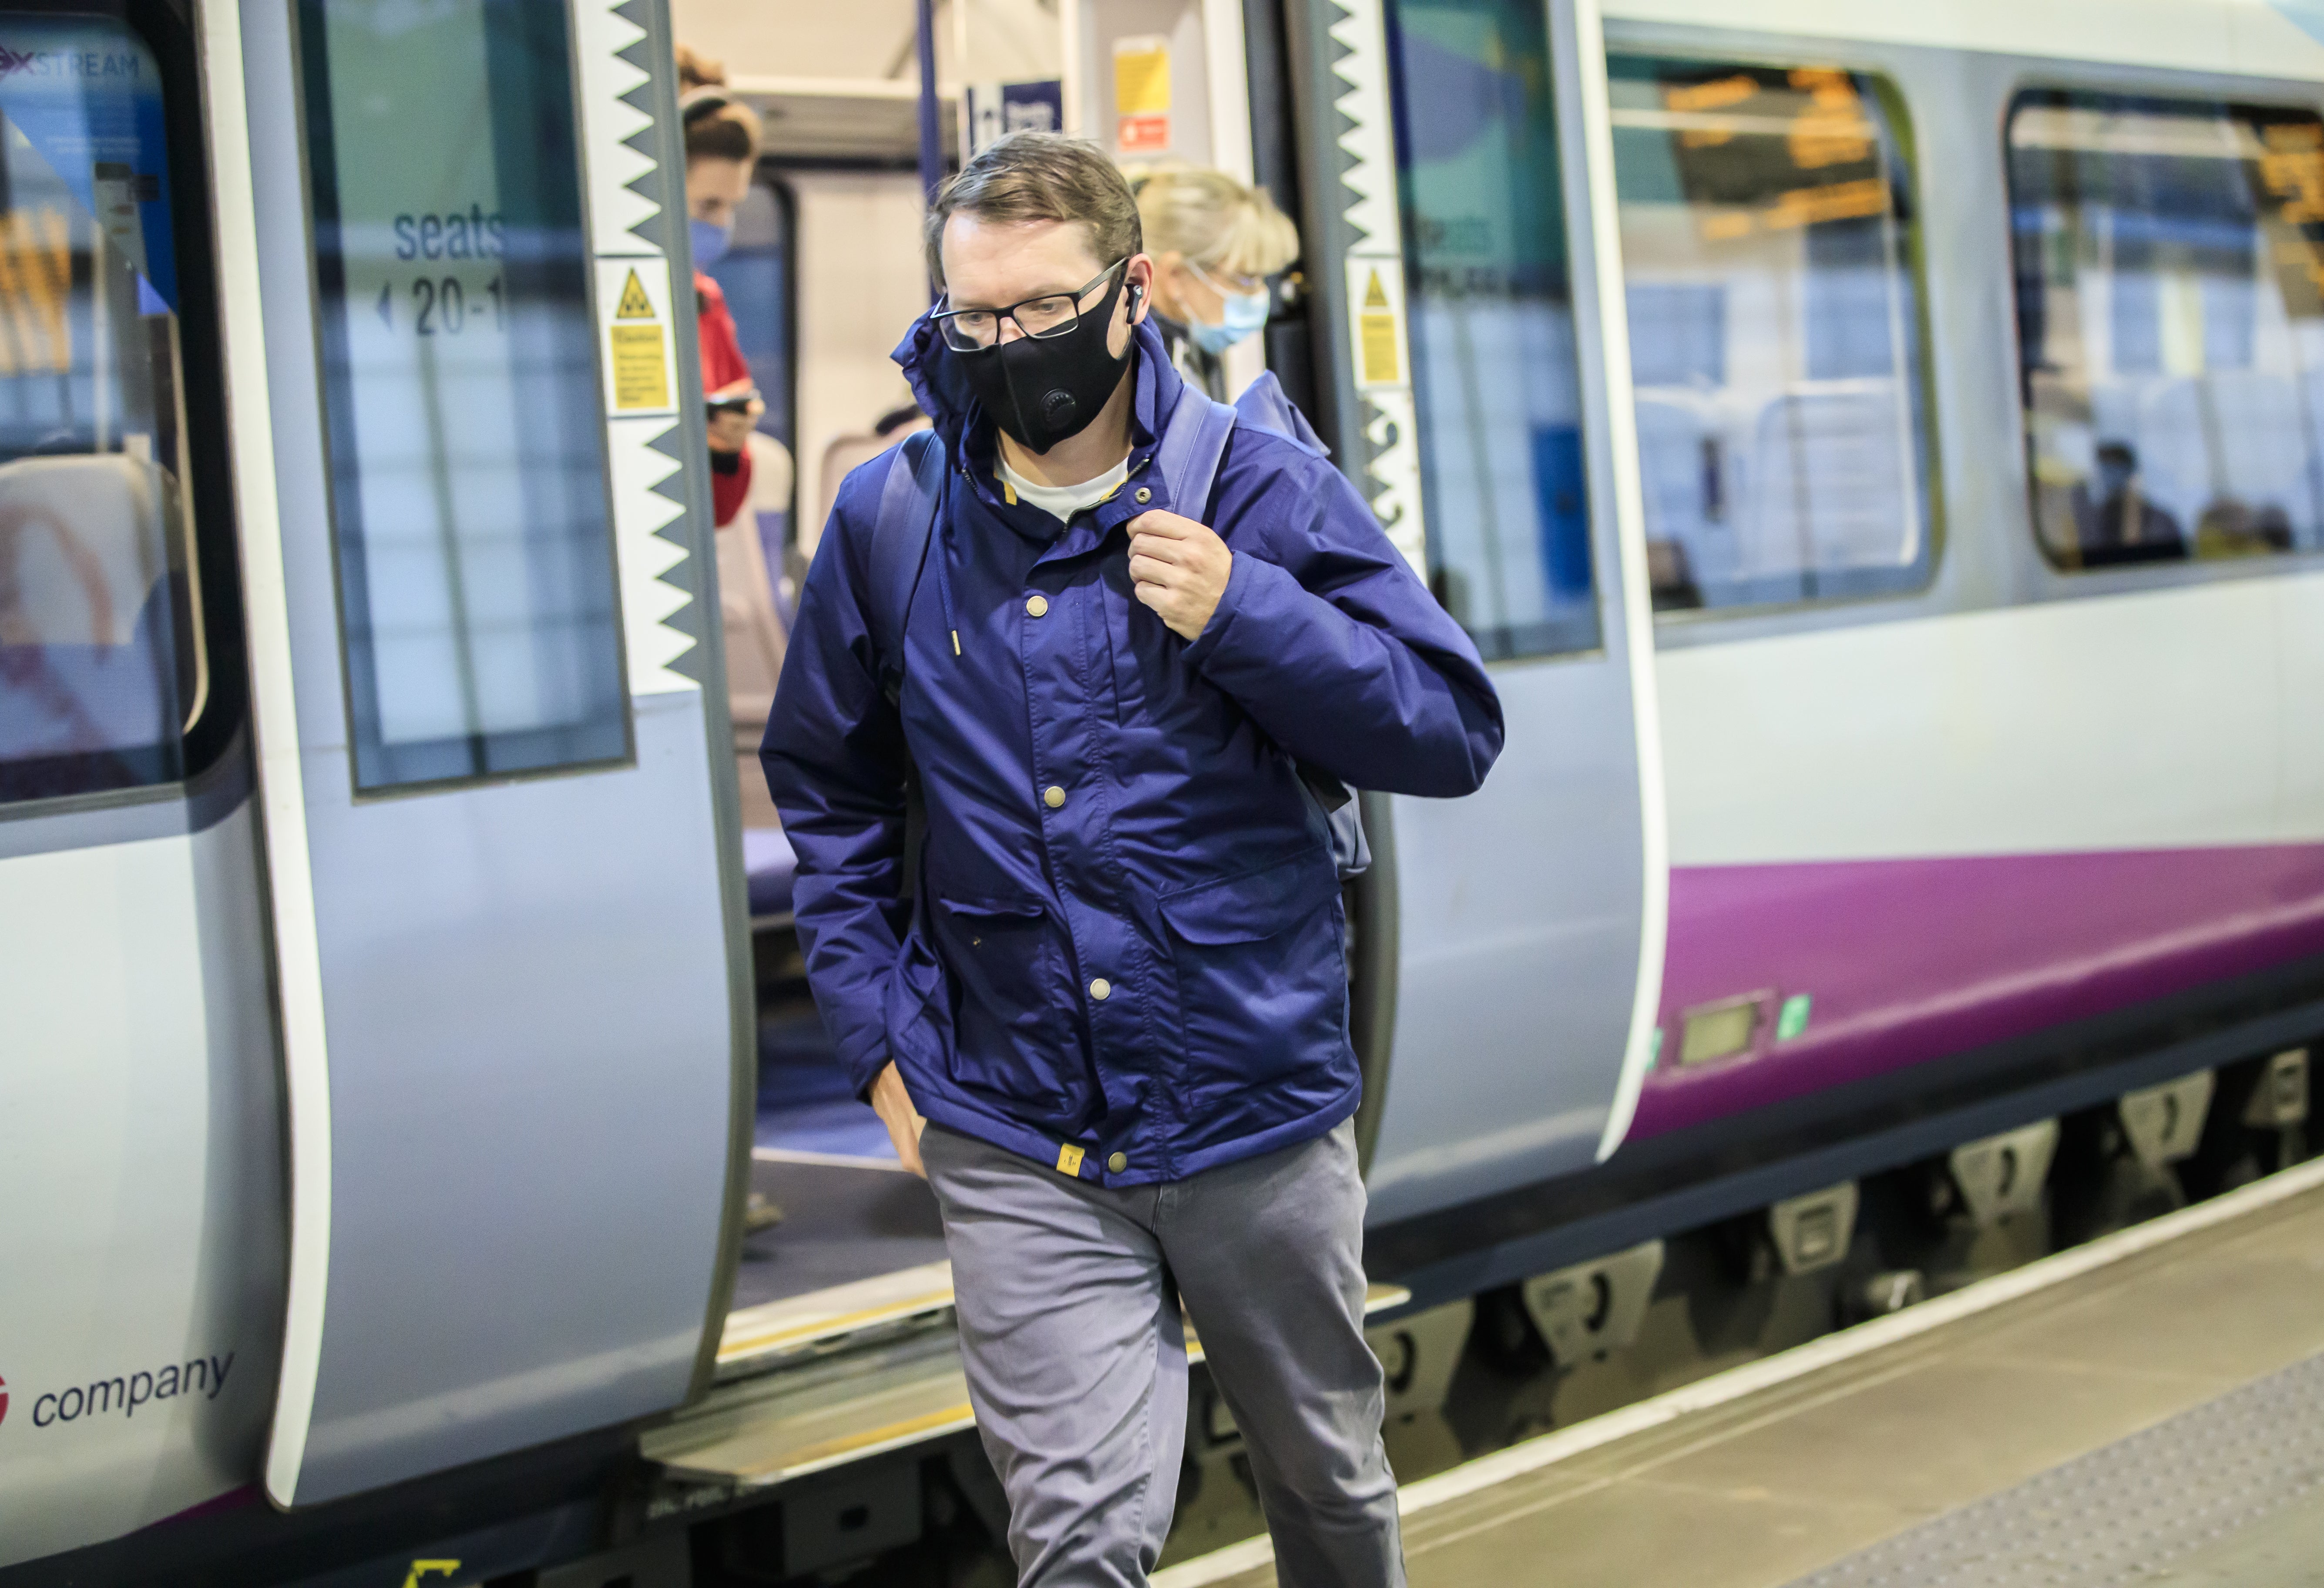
[{"x": 768, "y": 863}]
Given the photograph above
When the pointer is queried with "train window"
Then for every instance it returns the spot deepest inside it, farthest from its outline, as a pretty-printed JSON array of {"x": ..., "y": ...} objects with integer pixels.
[
  {"x": 2170, "y": 262},
  {"x": 1491, "y": 324},
  {"x": 1775, "y": 333},
  {"x": 476, "y": 556},
  {"x": 102, "y": 666}
]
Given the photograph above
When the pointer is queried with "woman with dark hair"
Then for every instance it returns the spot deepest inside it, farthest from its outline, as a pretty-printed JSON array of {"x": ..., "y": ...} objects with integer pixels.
[{"x": 721, "y": 145}]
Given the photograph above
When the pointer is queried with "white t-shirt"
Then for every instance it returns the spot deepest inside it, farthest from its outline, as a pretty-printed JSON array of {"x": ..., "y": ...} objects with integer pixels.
[{"x": 1062, "y": 501}]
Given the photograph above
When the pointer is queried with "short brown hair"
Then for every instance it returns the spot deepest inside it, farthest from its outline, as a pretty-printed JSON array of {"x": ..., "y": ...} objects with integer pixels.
[
  {"x": 1041, "y": 176},
  {"x": 718, "y": 127}
]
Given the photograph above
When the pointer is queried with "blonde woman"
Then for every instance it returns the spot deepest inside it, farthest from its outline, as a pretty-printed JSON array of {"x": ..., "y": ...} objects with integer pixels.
[{"x": 1215, "y": 243}]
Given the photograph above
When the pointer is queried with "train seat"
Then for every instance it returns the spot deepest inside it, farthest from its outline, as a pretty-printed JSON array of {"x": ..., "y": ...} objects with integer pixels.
[
  {"x": 771, "y": 866},
  {"x": 1834, "y": 479},
  {"x": 1685, "y": 473},
  {"x": 87, "y": 657}
]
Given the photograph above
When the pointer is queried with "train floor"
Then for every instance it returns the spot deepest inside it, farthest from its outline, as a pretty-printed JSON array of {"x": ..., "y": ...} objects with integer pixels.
[
  {"x": 2147, "y": 1407},
  {"x": 822, "y": 1159}
]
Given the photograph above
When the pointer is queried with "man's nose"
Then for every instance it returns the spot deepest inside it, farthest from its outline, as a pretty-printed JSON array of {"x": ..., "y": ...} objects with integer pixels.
[{"x": 1009, "y": 329}]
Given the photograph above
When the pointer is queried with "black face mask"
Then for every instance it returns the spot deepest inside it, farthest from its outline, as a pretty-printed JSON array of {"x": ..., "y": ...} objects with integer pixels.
[{"x": 1042, "y": 390}]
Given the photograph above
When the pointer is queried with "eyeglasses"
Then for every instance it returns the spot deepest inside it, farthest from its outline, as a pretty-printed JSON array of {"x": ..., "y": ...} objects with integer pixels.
[
  {"x": 1227, "y": 282},
  {"x": 969, "y": 330}
]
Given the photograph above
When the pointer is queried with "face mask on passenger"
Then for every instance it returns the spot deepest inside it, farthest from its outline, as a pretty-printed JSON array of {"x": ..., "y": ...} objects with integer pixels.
[
  {"x": 1042, "y": 390},
  {"x": 1244, "y": 313},
  {"x": 710, "y": 240}
]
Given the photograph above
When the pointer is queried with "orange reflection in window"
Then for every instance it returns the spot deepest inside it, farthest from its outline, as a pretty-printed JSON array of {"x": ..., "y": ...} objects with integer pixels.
[
  {"x": 1831, "y": 130},
  {"x": 35, "y": 292},
  {"x": 1697, "y": 97},
  {"x": 2294, "y": 170},
  {"x": 1804, "y": 207}
]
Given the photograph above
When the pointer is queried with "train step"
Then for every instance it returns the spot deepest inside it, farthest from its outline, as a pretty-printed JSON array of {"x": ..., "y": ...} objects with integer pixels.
[{"x": 840, "y": 1376}]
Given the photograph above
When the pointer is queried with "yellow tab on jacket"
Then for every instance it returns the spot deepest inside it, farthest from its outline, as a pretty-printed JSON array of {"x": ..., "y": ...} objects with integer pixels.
[{"x": 1069, "y": 1159}]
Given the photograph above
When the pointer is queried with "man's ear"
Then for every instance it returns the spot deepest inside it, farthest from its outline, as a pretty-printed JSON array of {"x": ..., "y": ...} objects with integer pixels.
[{"x": 1139, "y": 278}]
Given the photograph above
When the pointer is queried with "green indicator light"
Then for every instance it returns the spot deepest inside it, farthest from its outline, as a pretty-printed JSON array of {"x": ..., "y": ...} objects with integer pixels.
[
  {"x": 1793, "y": 1019},
  {"x": 1654, "y": 1047}
]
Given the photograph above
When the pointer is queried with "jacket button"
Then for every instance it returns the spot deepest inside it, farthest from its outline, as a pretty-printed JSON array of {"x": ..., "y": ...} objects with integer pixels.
[
  {"x": 1053, "y": 797},
  {"x": 1118, "y": 1162},
  {"x": 1101, "y": 989},
  {"x": 1036, "y": 606},
  {"x": 1144, "y": 496}
]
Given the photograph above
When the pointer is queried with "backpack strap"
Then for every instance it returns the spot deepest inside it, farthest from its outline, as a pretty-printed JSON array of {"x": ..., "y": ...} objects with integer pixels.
[
  {"x": 1193, "y": 442},
  {"x": 1264, "y": 405},
  {"x": 1193, "y": 445},
  {"x": 910, "y": 497}
]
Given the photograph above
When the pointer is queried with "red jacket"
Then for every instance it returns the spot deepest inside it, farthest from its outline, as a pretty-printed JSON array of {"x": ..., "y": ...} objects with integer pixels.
[{"x": 721, "y": 367}]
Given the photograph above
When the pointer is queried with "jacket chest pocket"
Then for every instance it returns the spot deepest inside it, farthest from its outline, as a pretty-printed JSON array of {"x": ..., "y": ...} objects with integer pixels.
[
  {"x": 1012, "y": 1021},
  {"x": 1262, "y": 981}
]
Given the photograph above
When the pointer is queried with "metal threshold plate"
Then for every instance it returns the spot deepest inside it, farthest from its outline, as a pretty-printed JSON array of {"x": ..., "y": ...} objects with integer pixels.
[
  {"x": 760, "y": 1337},
  {"x": 769, "y": 1430},
  {"x": 775, "y": 1426}
]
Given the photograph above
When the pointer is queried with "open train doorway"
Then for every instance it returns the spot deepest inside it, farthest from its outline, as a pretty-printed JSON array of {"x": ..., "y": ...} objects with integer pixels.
[{"x": 821, "y": 275}]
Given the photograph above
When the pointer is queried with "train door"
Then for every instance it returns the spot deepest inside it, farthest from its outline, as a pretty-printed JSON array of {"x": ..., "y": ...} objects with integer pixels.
[
  {"x": 141, "y": 1275},
  {"x": 1470, "y": 343},
  {"x": 498, "y": 805}
]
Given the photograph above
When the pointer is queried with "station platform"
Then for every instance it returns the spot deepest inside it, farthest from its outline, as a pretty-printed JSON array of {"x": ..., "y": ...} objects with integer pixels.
[{"x": 2146, "y": 1409}]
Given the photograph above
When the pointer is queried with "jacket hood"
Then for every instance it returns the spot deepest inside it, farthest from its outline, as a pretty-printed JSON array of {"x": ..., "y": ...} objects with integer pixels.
[{"x": 941, "y": 387}]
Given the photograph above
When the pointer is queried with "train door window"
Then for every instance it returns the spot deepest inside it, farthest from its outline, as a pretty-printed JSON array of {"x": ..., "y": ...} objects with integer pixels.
[
  {"x": 2170, "y": 264},
  {"x": 476, "y": 556},
  {"x": 1775, "y": 333},
  {"x": 103, "y": 667},
  {"x": 1494, "y": 371}
]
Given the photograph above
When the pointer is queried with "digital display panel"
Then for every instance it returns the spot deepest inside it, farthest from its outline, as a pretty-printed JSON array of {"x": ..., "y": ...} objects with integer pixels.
[{"x": 475, "y": 561}]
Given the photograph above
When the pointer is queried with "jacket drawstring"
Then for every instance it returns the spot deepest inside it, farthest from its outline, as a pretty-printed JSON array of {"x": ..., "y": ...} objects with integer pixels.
[{"x": 943, "y": 563}]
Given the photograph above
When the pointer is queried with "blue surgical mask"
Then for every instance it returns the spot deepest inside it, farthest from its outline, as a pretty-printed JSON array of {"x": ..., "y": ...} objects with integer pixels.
[
  {"x": 710, "y": 240},
  {"x": 1243, "y": 314}
]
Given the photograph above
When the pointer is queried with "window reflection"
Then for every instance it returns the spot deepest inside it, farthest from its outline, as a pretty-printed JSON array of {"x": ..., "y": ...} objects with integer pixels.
[
  {"x": 2169, "y": 263},
  {"x": 467, "y": 449},
  {"x": 101, "y": 669},
  {"x": 1491, "y": 324},
  {"x": 1773, "y": 333}
]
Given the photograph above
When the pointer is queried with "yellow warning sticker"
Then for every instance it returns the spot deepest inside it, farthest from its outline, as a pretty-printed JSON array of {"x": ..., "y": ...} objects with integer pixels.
[
  {"x": 1379, "y": 360},
  {"x": 634, "y": 303},
  {"x": 1069, "y": 1159},
  {"x": 1141, "y": 75},
  {"x": 1141, "y": 94},
  {"x": 640, "y": 374}
]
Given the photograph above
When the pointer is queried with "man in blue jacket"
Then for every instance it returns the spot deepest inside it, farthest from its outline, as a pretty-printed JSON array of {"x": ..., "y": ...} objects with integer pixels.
[{"x": 1114, "y": 990}]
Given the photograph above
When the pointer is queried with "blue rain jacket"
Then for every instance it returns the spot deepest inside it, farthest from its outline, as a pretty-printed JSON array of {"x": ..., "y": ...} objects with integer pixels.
[{"x": 1124, "y": 957}]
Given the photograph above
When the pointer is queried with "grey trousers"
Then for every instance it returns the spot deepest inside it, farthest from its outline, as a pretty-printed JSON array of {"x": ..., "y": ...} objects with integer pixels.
[{"x": 1068, "y": 1301}]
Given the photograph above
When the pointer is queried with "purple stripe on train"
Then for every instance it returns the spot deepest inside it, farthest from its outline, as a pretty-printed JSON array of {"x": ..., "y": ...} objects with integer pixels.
[{"x": 1907, "y": 960}]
